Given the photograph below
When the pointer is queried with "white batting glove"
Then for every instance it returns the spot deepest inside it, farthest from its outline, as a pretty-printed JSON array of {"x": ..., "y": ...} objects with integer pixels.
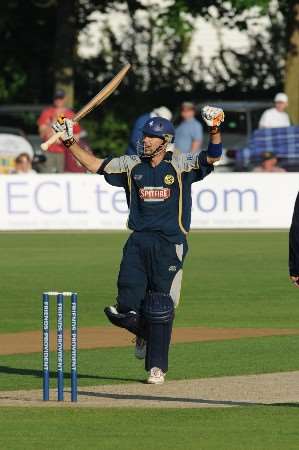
[
  {"x": 64, "y": 125},
  {"x": 212, "y": 116}
]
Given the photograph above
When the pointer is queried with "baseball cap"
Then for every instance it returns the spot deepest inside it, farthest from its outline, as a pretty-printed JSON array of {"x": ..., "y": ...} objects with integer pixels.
[
  {"x": 281, "y": 97},
  {"x": 164, "y": 112},
  {"x": 268, "y": 155},
  {"x": 188, "y": 105},
  {"x": 59, "y": 93}
]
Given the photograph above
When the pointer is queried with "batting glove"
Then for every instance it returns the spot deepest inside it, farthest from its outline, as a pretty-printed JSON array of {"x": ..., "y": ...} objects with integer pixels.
[
  {"x": 212, "y": 116},
  {"x": 64, "y": 125}
]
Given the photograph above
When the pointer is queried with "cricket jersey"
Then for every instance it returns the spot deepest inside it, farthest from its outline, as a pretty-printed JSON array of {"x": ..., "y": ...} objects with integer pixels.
[{"x": 159, "y": 198}]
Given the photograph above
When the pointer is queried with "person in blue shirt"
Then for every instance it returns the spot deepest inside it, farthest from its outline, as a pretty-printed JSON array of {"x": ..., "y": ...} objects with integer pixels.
[
  {"x": 136, "y": 133},
  {"x": 188, "y": 135},
  {"x": 158, "y": 184}
]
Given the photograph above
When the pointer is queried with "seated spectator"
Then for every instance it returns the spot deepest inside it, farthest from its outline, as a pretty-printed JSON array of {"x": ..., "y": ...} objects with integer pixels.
[
  {"x": 269, "y": 164},
  {"x": 56, "y": 153},
  {"x": 136, "y": 134},
  {"x": 23, "y": 165},
  {"x": 188, "y": 135},
  {"x": 276, "y": 117}
]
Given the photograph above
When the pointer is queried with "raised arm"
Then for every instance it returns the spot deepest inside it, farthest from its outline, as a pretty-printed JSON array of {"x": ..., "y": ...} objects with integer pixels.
[
  {"x": 213, "y": 118},
  {"x": 89, "y": 161}
]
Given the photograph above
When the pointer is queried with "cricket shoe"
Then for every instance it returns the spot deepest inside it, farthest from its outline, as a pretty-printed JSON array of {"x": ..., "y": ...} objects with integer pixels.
[
  {"x": 140, "y": 348},
  {"x": 156, "y": 376}
]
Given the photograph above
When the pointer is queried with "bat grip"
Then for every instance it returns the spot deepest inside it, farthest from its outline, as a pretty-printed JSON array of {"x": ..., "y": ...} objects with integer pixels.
[{"x": 54, "y": 138}]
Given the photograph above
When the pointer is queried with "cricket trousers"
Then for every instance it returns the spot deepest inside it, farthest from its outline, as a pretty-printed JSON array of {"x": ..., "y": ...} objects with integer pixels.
[
  {"x": 149, "y": 283},
  {"x": 149, "y": 263}
]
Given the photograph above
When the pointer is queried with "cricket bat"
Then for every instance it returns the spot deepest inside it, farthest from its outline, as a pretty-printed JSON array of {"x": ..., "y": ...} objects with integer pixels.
[{"x": 92, "y": 104}]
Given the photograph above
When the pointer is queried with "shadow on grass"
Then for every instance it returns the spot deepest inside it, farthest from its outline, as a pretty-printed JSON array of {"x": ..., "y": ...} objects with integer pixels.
[
  {"x": 53, "y": 374},
  {"x": 180, "y": 399}
]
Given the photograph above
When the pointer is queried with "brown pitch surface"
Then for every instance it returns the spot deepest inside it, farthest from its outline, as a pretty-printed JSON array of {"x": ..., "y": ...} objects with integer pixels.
[{"x": 103, "y": 337}]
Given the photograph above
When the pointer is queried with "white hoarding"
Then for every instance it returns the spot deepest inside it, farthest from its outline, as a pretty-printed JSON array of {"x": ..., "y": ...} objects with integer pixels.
[{"x": 224, "y": 200}]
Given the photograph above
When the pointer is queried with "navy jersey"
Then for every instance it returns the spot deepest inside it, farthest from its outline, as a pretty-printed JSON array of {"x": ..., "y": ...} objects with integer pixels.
[{"x": 159, "y": 198}]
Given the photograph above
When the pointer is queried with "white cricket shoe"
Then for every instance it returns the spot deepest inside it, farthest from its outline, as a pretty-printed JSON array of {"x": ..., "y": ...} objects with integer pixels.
[
  {"x": 140, "y": 348},
  {"x": 156, "y": 376}
]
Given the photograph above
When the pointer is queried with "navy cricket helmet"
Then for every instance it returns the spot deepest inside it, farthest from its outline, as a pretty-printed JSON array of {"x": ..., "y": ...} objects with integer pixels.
[{"x": 159, "y": 127}]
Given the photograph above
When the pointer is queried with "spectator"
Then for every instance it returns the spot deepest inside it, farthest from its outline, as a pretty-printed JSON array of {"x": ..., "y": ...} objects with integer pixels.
[
  {"x": 276, "y": 117},
  {"x": 136, "y": 134},
  {"x": 23, "y": 165},
  {"x": 269, "y": 163},
  {"x": 56, "y": 153},
  {"x": 188, "y": 135}
]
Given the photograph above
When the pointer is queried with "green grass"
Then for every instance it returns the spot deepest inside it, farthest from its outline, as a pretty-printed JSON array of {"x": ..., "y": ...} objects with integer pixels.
[
  {"x": 249, "y": 428},
  {"x": 194, "y": 360},
  {"x": 231, "y": 278}
]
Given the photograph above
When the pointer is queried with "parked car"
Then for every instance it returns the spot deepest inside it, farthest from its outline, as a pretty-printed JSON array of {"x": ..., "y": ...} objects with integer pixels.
[
  {"x": 13, "y": 142},
  {"x": 24, "y": 118}
]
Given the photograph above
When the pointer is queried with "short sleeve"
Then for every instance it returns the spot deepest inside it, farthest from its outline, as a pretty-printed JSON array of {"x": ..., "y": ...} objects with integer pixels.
[
  {"x": 197, "y": 131},
  {"x": 185, "y": 162},
  {"x": 116, "y": 165},
  {"x": 193, "y": 163},
  {"x": 123, "y": 164},
  {"x": 263, "y": 120},
  {"x": 44, "y": 118}
]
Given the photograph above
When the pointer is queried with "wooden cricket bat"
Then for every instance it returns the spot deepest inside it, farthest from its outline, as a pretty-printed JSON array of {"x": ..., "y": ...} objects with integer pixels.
[{"x": 92, "y": 104}]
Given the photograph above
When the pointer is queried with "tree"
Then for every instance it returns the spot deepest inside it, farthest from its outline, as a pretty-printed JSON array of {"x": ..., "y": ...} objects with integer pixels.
[
  {"x": 292, "y": 62},
  {"x": 26, "y": 50}
]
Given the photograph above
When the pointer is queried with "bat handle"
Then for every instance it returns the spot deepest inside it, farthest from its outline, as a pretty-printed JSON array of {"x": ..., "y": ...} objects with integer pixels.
[{"x": 54, "y": 138}]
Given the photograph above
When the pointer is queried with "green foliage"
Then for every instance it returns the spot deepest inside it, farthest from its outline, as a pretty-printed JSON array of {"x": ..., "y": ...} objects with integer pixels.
[
  {"x": 109, "y": 136},
  {"x": 28, "y": 64},
  {"x": 245, "y": 4},
  {"x": 12, "y": 80}
]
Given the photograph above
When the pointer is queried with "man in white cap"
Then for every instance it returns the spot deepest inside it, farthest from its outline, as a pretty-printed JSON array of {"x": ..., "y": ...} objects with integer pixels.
[
  {"x": 136, "y": 133},
  {"x": 276, "y": 117}
]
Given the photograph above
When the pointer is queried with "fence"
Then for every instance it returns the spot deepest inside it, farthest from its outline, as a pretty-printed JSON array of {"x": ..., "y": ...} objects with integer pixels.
[{"x": 224, "y": 200}]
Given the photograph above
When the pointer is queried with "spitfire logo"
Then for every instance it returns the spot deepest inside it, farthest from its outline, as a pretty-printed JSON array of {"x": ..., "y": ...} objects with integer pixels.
[
  {"x": 169, "y": 179},
  {"x": 151, "y": 123},
  {"x": 154, "y": 194}
]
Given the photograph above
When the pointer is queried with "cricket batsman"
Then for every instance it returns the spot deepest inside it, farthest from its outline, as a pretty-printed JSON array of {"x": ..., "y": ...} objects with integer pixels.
[{"x": 157, "y": 182}]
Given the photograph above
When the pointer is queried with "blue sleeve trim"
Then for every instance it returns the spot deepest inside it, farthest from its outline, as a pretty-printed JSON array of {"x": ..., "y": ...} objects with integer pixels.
[
  {"x": 101, "y": 169},
  {"x": 214, "y": 150}
]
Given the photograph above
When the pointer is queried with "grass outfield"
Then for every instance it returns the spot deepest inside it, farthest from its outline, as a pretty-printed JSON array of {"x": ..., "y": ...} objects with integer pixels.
[
  {"x": 194, "y": 360},
  {"x": 231, "y": 278},
  {"x": 258, "y": 428}
]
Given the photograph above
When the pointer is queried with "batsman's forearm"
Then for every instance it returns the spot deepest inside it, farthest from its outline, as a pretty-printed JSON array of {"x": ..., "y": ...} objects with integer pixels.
[
  {"x": 215, "y": 146},
  {"x": 89, "y": 161},
  {"x": 215, "y": 135}
]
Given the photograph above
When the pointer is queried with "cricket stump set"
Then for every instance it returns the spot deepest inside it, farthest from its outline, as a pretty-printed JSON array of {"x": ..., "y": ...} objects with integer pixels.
[{"x": 60, "y": 299}]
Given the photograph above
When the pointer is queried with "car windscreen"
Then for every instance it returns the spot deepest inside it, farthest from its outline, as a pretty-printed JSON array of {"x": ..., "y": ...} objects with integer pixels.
[{"x": 235, "y": 122}]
